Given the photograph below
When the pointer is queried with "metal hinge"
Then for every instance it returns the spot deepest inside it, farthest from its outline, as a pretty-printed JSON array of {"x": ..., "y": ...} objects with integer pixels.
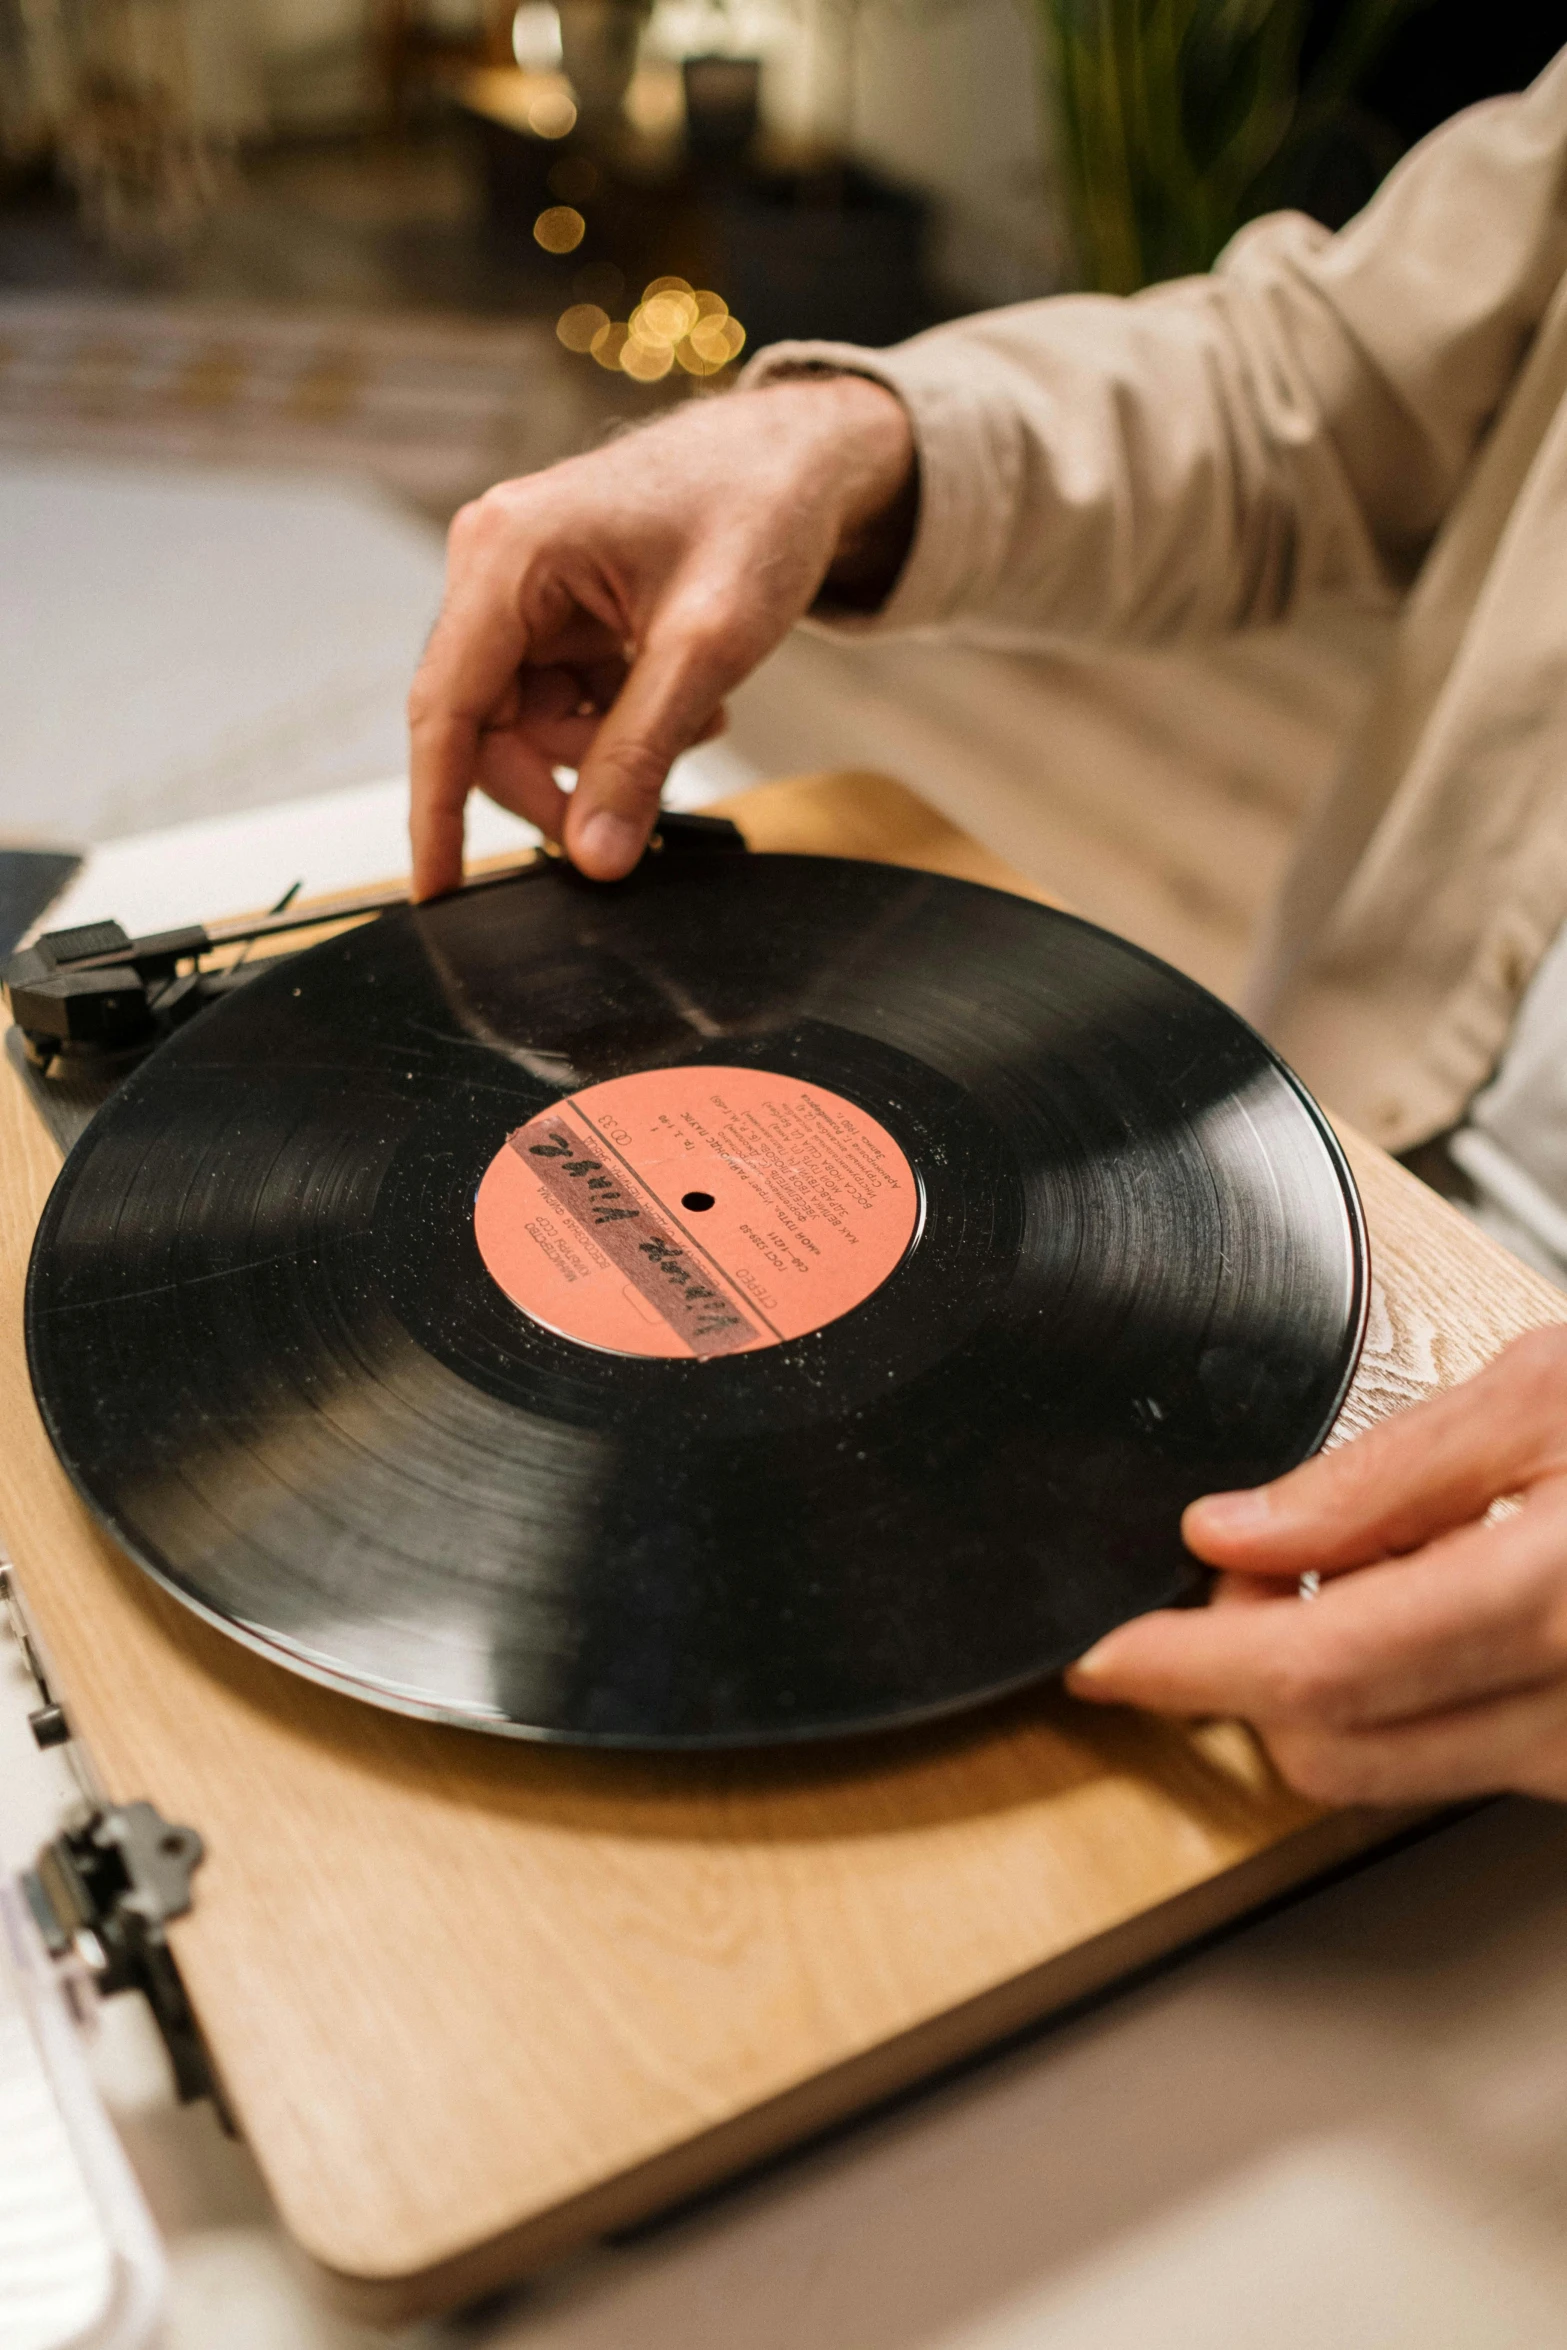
[
  {"x": 47, "y": 1718},
  {"x": 102, "y": 1893},
  {"x": 103, "y": 1890}
]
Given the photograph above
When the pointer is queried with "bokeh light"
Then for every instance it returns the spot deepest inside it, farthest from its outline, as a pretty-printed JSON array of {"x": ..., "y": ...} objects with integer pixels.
[
  {"x": 552, "y": 115},
  {"x": 535, "y": 36},
  {"x": 675, "y": 323},
  {"x": 646, "y": 362},
  {"x": 559, "y": 230},
  {"x": 577, "y": 326},
  {"x": 665, "y": 317},
  {"x": 717, "y": 340},
  {"x": 608, "y": 344}
]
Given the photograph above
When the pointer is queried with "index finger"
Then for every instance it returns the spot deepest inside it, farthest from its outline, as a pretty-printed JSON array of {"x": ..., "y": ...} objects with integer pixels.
[
  {"x": 474, "y": 652},
  {"x": 1464, "y": 1618},
  {"x": 1415, "y": 1475}
]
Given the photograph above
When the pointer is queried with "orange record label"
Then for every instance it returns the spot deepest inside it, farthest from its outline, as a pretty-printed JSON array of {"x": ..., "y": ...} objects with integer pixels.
[{"x": 695, "y": 1211}]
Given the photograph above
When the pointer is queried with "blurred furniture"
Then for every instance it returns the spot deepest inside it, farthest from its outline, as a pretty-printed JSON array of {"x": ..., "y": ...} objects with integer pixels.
[
  {"x": 797, "y": 239},
  {"x": 110, "y": 85},
  {"x": 599, "y": 45},
  {"x": 417, "y": 50}
]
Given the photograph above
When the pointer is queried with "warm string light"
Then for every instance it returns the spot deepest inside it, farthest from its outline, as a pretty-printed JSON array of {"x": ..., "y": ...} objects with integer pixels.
[
  {"x": 552, "y": 115},
  {"x": 577, "y": 326},
  {"x": 560, "y": 230},
  {"x": 673, "y": 325}
]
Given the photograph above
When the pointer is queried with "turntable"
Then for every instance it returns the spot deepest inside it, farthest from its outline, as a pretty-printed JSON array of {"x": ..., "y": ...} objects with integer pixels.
[{"x": 474, "y": 1998}]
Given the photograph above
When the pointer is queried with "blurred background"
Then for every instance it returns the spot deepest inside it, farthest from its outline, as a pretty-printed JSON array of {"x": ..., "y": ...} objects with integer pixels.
[{"x": 283, "y": 281}]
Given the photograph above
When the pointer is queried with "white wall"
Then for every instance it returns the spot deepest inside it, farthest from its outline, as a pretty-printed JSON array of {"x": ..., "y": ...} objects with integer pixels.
[
  {"x": 949, "y": 96},
  {"x": 280, "y": 65},
  {"x": 943, "y": 94}
]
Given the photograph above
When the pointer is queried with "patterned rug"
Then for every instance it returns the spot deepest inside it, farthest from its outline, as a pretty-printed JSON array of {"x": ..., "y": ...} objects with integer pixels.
[{"x": 433, "y": 409}]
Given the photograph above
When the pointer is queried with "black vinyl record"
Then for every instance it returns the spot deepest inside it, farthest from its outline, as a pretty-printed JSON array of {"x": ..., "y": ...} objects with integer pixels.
[{"x": 996, "y": 1242}]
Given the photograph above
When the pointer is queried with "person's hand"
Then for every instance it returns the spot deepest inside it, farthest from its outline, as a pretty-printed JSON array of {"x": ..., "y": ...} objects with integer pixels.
[
  {"x": 596, "y": 614},
  {"x": 1432, "y": 1663}
]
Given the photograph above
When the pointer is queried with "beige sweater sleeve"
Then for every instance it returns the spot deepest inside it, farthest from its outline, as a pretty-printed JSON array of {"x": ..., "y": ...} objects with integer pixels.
[{"x": 1194, "y": 458}]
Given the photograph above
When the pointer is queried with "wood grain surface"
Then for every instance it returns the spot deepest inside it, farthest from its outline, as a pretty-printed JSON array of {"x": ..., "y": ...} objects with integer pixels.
[{"x": 472, "y": 2001}]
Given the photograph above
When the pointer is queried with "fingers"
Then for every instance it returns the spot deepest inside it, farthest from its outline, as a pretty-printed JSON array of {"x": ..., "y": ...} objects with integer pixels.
[
  {"x": 1250, "y": 1591},
  {"x": 440, "y": 774},
  {"x": 1516, "y": 1744},
  {"x": 476, "y": 717},
  {"x": 1439, "y": 1669},
  {"x": 672, "y": 698},
  {"x": 700, "y": 541},
  {"x": 515, "y": 774},
  {"x": 1427, "y": 1469},
  {"x": 559, "y": 711},
  {"x": 555, "y": 716},
  {"x": 1480, "y": 1613},
  {"x": 469, "y": 666}
]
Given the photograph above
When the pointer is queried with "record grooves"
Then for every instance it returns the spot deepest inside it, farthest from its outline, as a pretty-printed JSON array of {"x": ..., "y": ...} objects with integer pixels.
[{"x": 766, "y": 1298}]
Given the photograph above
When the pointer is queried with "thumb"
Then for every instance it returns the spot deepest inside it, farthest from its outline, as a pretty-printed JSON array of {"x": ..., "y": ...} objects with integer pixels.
[{"x": 670, "y": 700}]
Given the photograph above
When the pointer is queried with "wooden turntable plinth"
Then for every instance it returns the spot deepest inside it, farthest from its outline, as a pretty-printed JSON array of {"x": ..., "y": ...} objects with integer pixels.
[{"x": 472, "y": 2001}]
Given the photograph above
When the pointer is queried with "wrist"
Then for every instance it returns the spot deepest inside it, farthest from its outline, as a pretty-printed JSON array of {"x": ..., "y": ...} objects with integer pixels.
[{"x": 858, "y": 455}]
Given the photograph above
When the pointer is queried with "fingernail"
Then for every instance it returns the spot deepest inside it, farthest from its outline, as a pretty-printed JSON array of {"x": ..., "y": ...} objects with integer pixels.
[
  {"x": 1090, "y": 1664},
  {"x": 1235, "y": 1513},
  {"x": 610, "y": 843}
]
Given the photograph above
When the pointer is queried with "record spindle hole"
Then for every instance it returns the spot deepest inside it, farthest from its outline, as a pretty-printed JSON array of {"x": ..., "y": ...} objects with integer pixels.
[{"x": 697, "y": 1201}]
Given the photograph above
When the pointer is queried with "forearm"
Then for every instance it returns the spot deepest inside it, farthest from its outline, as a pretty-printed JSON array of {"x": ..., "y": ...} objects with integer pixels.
[
  {"x": 1097, "y": 468},
  {"x": 869, "y": 441},
  {"x": 1194, "y": 459},
  {"x": 879, "y": 528}
]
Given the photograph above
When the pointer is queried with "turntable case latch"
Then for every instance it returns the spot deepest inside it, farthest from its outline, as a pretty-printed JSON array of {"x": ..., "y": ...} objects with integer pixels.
[{"x": 103, "y": 1891}]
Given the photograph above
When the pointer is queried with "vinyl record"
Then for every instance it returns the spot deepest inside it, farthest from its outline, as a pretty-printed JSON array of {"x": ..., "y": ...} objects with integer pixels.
[{"x": 765, "y": 1298}]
